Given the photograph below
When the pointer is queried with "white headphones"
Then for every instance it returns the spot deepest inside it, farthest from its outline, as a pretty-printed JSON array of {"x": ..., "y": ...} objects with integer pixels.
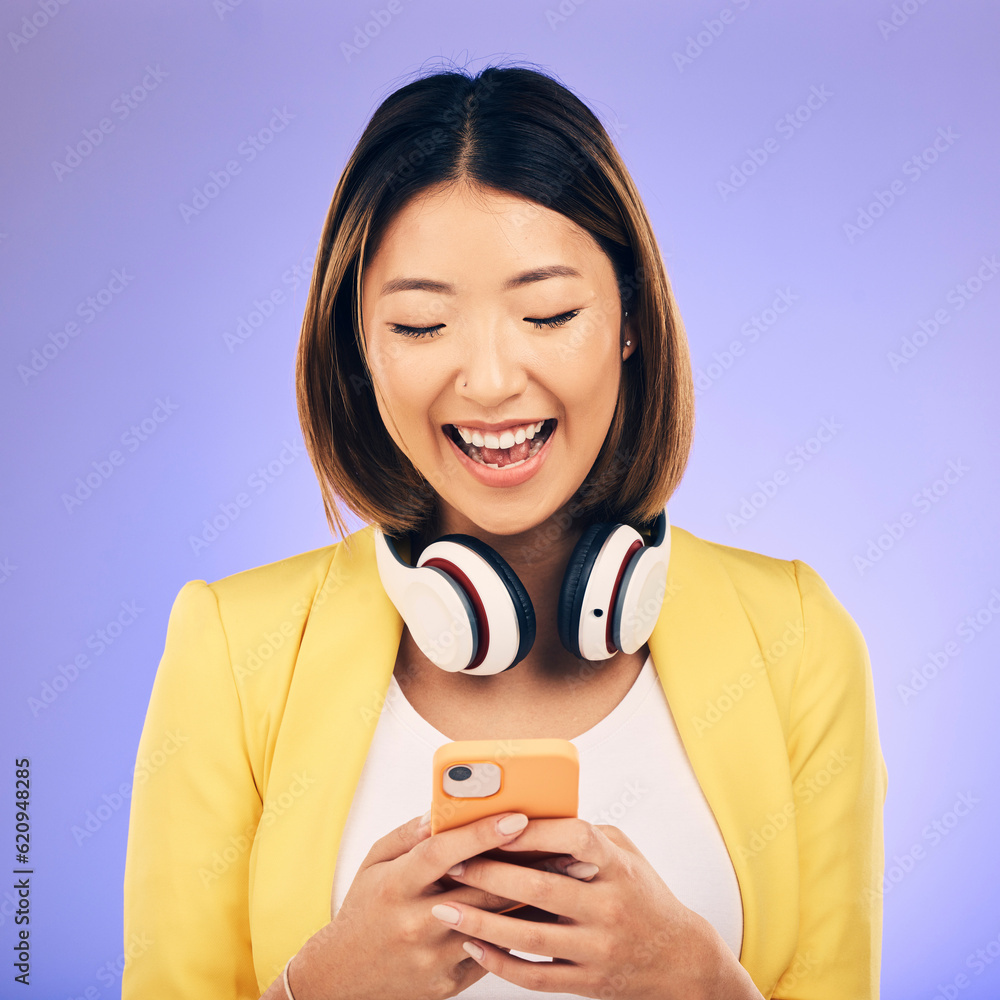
[{"x": 467, "y": 610}]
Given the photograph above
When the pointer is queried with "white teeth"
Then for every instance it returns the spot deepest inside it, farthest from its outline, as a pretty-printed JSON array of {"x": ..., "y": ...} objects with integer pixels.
[{"x": 505, "y": 439}]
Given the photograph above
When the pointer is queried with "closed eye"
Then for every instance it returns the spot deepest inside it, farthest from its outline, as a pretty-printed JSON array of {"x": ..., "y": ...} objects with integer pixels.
[
  {"x": 559, "y": 320},
  {"x": 422, "y": 331}
]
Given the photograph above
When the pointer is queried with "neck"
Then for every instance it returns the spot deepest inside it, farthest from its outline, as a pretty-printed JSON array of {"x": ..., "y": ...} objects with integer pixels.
[{"x": 539, "y": 557}]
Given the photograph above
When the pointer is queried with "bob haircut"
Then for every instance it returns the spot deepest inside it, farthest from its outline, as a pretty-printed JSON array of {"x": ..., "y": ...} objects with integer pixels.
[{"x": 518, "y": 131}]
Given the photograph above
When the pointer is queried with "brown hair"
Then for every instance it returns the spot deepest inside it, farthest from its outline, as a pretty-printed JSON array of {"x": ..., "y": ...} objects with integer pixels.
[{"x": 515, "y": 130}]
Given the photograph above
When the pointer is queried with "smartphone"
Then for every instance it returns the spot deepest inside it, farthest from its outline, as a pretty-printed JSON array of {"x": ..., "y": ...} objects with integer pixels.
[{"x": 477, "y": 778}]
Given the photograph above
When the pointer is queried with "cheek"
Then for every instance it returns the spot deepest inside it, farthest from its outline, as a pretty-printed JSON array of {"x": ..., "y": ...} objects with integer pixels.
[
  {"x": 406, "y": 397},
  {"x": 588, "y": 388}
]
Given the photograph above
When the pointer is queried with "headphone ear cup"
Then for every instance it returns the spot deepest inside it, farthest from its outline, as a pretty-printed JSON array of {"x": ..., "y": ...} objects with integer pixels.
[
  {"x": 524, "y": 611},
  {"x": 642, "y": 591},
  {"x": 574, "y": 584},
  {"x": 433, "y": 605}
]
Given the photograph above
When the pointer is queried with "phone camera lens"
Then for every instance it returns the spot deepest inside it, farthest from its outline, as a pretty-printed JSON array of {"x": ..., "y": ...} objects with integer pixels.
[{"x": 459, "y": 773}]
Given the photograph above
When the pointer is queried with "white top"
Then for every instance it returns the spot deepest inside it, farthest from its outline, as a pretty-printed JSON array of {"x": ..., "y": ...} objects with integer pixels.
[{"x": 634, "y": 774}]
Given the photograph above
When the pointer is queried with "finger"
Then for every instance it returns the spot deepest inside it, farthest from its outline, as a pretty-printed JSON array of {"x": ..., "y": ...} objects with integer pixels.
[
  {"x": 555, "y": 940},
  {"x": 566, "y": 864},
  {"x": 396, "y": 842},
  {"x": 559, "y": 976},
  {"x": 548, "y": 891},
  {"x": 474, "y": 897},
  {"x": 436, "y": 854},
  {"x": 567, "y": 835}
]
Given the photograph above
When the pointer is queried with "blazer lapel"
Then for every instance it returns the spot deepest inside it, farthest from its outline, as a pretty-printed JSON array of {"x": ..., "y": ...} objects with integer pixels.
[
  {"x": 702, "y": 645},
  {"x": 710, "y": 666},
  {"x": 341, "y": 676}
]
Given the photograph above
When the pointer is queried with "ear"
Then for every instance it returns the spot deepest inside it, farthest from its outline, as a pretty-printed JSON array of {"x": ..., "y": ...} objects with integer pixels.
[{"x": 628, "y": 334}]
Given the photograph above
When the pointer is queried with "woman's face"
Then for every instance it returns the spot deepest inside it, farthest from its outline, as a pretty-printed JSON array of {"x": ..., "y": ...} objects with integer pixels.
[{"x": 485, "y": 366}]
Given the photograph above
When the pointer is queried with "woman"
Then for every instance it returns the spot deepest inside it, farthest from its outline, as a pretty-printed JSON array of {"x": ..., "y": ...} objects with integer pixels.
[{"x": 487, "y": 268}]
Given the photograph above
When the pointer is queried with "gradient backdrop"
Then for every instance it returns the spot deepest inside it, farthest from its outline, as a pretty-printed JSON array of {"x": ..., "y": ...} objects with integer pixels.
[{"x": 822, "y": 180}]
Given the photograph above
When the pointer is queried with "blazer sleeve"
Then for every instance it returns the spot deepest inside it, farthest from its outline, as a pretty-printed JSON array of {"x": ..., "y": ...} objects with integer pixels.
[
  {"x": 839, "y": 783},
  {"x": 194, "y": 812}
]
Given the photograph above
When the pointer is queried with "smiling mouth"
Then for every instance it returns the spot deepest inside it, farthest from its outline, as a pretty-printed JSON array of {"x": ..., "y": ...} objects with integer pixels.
[{"x": 503, "y": 458}]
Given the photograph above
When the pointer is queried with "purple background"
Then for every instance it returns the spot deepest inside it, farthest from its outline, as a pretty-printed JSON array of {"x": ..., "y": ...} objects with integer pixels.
[{"x": 218, "y": 76}]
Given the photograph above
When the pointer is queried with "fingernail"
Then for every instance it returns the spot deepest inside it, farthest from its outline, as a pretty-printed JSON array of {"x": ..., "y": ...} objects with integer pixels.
[
  {"x": 474, "y": 950},
  {"x": 457, "y": 869},
  {"x": 446, "y": 913},
  {"x": 512, "y": 824},
  {"x": 425, "y": 819},
  {"x": 582, "y": 869}
]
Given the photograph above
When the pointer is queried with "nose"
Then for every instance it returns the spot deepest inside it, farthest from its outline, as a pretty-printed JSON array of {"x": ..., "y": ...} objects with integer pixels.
[{"x": 493, "y": 369}]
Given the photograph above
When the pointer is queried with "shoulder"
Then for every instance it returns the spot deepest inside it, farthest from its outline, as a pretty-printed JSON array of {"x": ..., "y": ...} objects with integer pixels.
[
  {"x": 295, "y": 580},
  {"x": 764, "y": 585},
  {"x": 276, "y": 598},
  {"x": 798, "y": 623}
]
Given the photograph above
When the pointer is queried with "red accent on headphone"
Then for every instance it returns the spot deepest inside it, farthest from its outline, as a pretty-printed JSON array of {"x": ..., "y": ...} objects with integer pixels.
[
  {"x": 634, "y": 547},
  {"x": 484, "y": 629}
]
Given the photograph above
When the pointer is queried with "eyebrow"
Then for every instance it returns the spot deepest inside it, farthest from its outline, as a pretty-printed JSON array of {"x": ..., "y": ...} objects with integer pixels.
[{"x": 518, "y": 281}]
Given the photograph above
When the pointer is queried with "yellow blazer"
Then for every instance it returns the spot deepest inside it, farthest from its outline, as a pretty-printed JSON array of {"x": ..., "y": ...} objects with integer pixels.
[{"x": 266, "y": 700}]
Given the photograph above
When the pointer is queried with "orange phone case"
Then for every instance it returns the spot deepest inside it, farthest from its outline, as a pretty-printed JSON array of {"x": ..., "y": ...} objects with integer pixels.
[{"x": 537, "y": 777}]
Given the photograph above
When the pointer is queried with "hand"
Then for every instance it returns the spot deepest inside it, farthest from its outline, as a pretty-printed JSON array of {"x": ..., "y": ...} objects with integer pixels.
[
  {"x": 622, "y": 930},
  {"x": 384, "y": 941}
]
